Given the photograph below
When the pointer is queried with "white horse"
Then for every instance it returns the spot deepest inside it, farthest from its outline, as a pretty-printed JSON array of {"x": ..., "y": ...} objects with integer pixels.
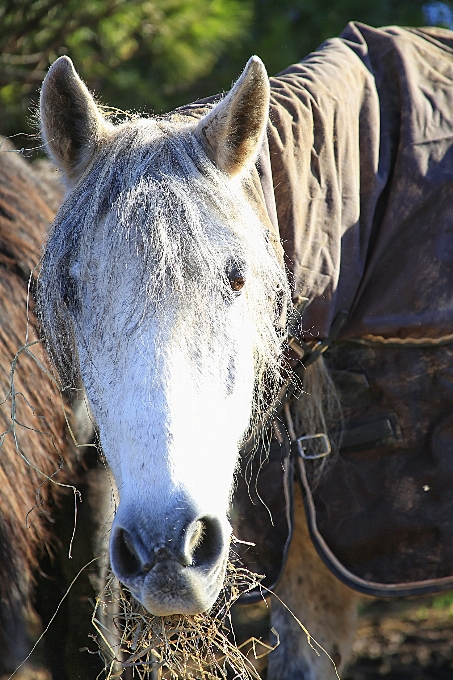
[{"x": 162, "y": 289}]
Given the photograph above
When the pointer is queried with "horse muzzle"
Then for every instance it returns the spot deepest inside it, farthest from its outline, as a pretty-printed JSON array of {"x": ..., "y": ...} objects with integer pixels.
[{"x": 175, "y": 567}]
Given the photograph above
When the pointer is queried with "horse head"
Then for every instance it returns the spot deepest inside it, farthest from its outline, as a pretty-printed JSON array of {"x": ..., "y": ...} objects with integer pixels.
[{"x": 160, "y": 291}]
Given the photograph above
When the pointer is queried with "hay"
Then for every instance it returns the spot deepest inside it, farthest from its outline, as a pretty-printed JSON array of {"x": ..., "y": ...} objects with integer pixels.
[{"x": 199, "y": 647}]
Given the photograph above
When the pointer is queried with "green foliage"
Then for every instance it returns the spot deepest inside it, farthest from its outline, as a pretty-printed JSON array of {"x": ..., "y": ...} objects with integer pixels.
[
  {"x": 157, "y": 54},
  {"x": 444, "y": 601},
  {"x": 135, "y": 53},
  {"x": 285, "y": 31}
]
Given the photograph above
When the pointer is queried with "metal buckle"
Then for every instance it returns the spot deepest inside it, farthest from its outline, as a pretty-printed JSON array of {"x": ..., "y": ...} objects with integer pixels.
[{"x": 301, "y": 448}]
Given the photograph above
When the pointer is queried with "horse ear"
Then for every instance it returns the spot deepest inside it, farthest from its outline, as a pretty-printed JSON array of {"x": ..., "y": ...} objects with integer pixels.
[
  {"x": 232, "y": 132},
  {"x": 71, "y": 124}
]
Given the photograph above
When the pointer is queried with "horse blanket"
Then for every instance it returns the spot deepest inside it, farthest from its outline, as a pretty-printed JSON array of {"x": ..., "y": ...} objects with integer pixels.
[{"x": 357, "y": 175}]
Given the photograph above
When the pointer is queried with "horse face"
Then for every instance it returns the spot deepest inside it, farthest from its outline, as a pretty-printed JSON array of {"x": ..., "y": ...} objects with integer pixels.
[
  {"x": 171, "y": 399},
  {"x": 162, "y": 308}
]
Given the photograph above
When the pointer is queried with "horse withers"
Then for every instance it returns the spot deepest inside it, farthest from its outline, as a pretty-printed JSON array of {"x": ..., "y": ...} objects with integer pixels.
[{"x": 165, "y": 289}]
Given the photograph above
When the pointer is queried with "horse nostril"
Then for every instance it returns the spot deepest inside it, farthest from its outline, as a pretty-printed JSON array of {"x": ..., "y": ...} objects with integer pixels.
[
  {"x": 126, "y": 559},
  {"x": 205, "y": 543},
  {"x": 201, "y": 544}
]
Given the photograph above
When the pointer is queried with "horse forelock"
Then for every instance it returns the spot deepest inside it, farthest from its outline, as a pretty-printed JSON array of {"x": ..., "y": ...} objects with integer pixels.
[{"x": 155, "y": 195}]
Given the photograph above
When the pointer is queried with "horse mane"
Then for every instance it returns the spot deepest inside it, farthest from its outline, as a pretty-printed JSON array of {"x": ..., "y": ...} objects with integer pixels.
[
  {"x": 154, "y": 190},
  {"x": 26, "y": 497}
]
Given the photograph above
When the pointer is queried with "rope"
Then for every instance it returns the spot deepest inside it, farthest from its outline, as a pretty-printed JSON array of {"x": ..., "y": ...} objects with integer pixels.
[{"x": 402, "y": 342}]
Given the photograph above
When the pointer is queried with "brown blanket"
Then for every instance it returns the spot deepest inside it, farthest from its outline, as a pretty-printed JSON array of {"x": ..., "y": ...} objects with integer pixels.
[
  {"x": 361, "y": 150},
  {"x": 361, "y": 146}
]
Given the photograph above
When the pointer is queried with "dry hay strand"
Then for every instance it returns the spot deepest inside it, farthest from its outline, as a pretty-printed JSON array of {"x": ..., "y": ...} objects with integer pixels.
[{"x": 198, "y": 647}]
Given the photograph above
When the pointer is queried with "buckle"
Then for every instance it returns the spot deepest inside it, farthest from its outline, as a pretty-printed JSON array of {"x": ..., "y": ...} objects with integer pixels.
[{"x": 324, "y": 443}]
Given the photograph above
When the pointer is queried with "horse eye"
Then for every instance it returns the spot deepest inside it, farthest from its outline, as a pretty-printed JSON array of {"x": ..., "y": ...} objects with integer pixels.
[{"x": 236, "y": 279}]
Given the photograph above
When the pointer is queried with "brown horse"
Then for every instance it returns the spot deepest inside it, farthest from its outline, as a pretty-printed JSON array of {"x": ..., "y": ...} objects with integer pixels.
[{"x": 38, "y": 464}]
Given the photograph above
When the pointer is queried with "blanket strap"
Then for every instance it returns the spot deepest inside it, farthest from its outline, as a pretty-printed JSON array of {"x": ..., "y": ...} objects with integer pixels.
[{"x": 308, "y": 353}]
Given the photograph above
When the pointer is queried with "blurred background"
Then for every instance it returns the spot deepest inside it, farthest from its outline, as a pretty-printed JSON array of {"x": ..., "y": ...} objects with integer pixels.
[{"x": 153, "y": 55}]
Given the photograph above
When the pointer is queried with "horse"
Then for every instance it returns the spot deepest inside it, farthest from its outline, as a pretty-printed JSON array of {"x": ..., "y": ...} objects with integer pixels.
[
  {"x": 25, "y": 214},
  {"x": 185, "y": 248},
  {"x": 40, "y": 469}
]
